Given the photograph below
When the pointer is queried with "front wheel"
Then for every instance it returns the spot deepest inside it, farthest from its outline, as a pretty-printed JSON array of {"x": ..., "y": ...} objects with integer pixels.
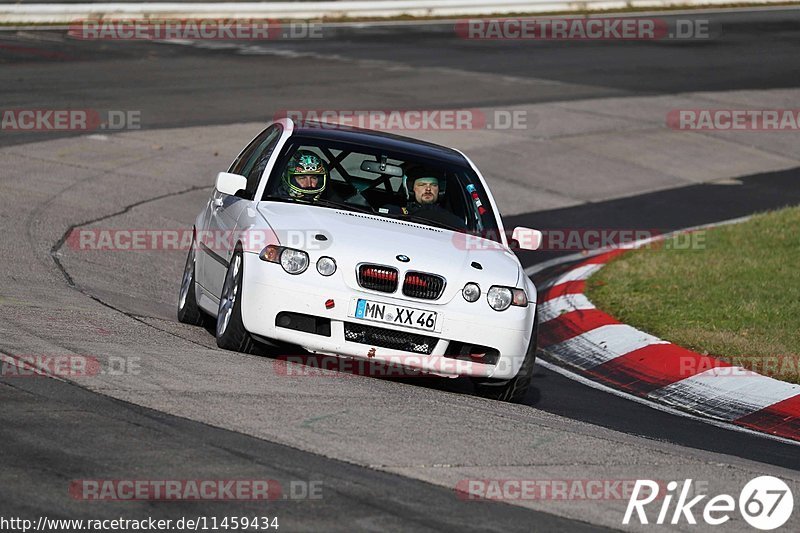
[
  {"x": 515, "y": 389},
  {"x": 231, "y": 334},
  {"x": 188, "y": 310}
]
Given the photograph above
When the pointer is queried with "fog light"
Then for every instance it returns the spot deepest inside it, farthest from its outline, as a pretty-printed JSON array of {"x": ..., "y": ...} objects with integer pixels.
[
  {"x": 471, "y": 292},
  {"x": 326, "y": 266}
]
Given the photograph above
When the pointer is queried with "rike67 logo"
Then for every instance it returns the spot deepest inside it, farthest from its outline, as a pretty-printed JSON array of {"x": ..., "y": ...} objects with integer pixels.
[{"x": 765, "y": 503}]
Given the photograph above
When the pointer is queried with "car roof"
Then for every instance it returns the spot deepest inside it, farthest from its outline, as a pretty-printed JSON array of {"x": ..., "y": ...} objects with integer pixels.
[{"x": 378, "y": 139}]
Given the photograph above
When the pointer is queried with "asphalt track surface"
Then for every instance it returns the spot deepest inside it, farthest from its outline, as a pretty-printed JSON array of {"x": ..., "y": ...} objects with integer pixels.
[
  {"x": 53, "y": 432},
  {"x": 178, "y": 87}
]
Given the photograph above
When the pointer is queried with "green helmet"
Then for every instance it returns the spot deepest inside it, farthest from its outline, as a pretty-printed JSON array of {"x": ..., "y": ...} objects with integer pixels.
[{"x": 305, "y": 163}]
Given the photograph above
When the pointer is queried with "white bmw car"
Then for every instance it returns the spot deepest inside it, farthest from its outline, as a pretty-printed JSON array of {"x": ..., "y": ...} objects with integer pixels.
[{"x": 366, "y": 245}]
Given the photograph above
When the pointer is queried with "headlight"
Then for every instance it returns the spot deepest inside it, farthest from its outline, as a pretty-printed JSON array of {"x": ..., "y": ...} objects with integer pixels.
[
  {"x": 501, "y": 298},
  {"x": 471, "y": 292},
  {"x": 294, "y": 261},
  {"x": 326, "y": 266}
]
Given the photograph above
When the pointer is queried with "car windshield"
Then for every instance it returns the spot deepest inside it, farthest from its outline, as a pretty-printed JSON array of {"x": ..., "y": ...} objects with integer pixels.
[{"x": 393, "y": 185}]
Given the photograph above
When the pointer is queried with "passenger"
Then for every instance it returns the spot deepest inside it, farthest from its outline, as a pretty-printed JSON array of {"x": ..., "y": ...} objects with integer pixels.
[
  {"x": 423, "y": 201},
  {"x": 426, "y": 192}
]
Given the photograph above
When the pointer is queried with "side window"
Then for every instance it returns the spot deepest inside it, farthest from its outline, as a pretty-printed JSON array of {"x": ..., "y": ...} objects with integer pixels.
[
  {"x": 253, "y": 160},
  {"x": 241, "y": 160}
]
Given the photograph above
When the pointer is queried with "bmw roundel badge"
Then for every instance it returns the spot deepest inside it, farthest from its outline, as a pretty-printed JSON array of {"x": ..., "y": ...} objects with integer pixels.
[{"x": 403, "y": 258}]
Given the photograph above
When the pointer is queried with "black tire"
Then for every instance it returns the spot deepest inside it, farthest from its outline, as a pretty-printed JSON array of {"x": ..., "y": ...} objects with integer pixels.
[
  {"x": 515, "y": 389},
  {"x": 231, "y": 334},
  {"x": 188, "y": 310}
]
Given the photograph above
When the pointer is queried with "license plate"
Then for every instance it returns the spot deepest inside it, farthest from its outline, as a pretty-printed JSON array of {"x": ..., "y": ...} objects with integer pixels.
[{"x": 397, "y": 315}]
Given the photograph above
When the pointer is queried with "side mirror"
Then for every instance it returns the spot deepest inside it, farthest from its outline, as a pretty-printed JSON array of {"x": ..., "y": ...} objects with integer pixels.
[
  {"x": 230, "y": 183},
  {"x": 526, "y": 238}
]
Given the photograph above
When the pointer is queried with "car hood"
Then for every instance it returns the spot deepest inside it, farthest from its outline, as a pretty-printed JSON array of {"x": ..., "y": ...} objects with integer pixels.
[{"x": 354, "y": 238}]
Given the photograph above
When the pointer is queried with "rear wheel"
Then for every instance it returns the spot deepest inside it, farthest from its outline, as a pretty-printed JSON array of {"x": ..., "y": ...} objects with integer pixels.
[
  {"x": 514, "y": 389},
  {"x": 231, "y": 334},
  {"x": 188, "y": 310}
]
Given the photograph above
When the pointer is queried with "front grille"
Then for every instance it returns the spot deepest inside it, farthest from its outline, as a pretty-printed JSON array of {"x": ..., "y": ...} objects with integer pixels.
[
  {"x": 422, "y": 285},
  {"x": 387, "y": 338},
  {"x": 377, "y": 278}
]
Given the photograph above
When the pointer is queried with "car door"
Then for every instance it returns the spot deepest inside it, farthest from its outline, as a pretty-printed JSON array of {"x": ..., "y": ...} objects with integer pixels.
[{"x": 219, "y": 236}]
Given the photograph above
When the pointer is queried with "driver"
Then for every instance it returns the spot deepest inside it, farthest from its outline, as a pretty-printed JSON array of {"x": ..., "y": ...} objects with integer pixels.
[{"x": 306, "y": 176}]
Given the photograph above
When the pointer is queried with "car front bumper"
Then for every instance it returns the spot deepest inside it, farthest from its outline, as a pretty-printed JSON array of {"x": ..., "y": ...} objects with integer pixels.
[{"x": 268, "y": 290}]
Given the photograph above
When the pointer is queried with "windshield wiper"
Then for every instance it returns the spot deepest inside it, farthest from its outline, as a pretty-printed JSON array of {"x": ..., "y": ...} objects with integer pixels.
[
  {"x": 341, "y": 205},
  {"x": 319, "y": 201},
  {"x": 425, "y": 221},
  {"x": 273, "y": 198}
]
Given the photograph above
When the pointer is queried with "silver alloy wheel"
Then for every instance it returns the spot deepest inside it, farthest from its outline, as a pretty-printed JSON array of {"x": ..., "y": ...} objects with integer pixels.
[
  {"x": 229, "y": 293},
  {"x": 188, "y": 276}
]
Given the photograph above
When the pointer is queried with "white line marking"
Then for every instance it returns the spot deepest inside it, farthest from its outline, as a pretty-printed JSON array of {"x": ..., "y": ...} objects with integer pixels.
[
  {"x": 550, "y": 309},
  {"x": 658, "y": 407},
  {"x": 576, "y": 274},
  {"x": 727, "y": 393},
  {"x": 544, "y": 265},
  {"x": 602, "y": 344}
]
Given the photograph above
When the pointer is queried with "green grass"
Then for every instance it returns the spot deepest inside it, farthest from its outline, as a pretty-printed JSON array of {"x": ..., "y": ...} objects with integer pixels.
[{"x": 733, "y": 294}]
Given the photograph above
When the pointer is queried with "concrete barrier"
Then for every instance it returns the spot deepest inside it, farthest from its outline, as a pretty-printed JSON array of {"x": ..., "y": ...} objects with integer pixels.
[{"x": 64, "y": 13}]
